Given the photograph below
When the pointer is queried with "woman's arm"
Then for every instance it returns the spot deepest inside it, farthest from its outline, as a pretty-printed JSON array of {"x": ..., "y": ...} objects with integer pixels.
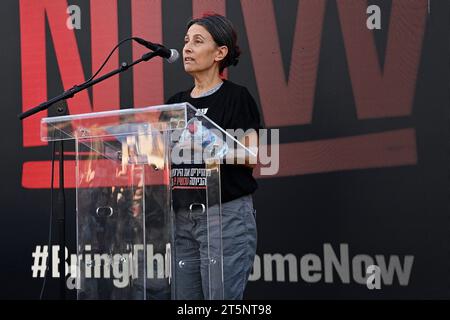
[{"x": 241, "y": 156}]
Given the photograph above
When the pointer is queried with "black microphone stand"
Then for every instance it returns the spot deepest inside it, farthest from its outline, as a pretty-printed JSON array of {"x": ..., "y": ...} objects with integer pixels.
[
  {"x": 61, "y": 216},
  {"x": 77, "y": 88}
]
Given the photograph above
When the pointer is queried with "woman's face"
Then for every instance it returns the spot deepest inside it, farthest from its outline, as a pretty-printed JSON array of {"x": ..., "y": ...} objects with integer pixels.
[{"x": 200, "y": 51}]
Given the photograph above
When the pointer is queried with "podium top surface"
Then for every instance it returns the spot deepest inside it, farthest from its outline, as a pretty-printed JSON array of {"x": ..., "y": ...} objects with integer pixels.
[
  {"x": 131, "y": 122},
  {"x": 116, "y": 122}
]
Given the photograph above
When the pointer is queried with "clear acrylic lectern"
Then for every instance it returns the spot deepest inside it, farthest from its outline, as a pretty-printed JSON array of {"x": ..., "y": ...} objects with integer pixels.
[{"x": 131, "y": 166}]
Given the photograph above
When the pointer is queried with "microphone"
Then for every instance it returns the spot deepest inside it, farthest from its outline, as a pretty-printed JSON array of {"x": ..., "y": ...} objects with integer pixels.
[{"x": 171, "y": 55}]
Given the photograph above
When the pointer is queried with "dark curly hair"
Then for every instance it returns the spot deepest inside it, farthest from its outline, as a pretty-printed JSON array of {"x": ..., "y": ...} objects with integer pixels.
[{"x": 223, "y": 33}]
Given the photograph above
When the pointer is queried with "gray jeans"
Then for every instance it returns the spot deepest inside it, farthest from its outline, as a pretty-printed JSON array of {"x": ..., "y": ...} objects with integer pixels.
[{"x": 195, "y": 276}]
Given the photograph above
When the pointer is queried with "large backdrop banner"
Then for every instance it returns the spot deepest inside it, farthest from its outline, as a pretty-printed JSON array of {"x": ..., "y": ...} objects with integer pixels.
[{"x": 359, "y": 91}]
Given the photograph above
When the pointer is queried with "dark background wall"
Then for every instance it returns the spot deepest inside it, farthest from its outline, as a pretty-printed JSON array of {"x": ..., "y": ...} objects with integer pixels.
[{"x": 363, "y": 118}]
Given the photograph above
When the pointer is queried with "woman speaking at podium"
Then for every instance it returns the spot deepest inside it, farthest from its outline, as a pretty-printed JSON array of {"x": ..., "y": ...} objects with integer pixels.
[{"x": 210, "y": 47}]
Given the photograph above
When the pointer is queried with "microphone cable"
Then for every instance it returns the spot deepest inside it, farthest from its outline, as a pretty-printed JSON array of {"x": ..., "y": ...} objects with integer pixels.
[{"x": 107, "y": 58}]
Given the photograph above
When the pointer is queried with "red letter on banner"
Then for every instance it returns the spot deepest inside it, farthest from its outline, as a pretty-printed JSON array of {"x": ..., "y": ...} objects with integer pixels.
[
  {"x": 293, "y": 102},
  {"x": 104, "y": 36},
  {"x": 33, "y": 58},
  {"x": 200, "y": 7},
  {"x": 148, "y": 80},
  {"x": 389, "y": 91}
]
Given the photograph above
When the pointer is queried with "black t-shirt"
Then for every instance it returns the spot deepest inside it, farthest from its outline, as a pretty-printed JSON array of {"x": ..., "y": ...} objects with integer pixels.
[{"x": 230, "y": 107}]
